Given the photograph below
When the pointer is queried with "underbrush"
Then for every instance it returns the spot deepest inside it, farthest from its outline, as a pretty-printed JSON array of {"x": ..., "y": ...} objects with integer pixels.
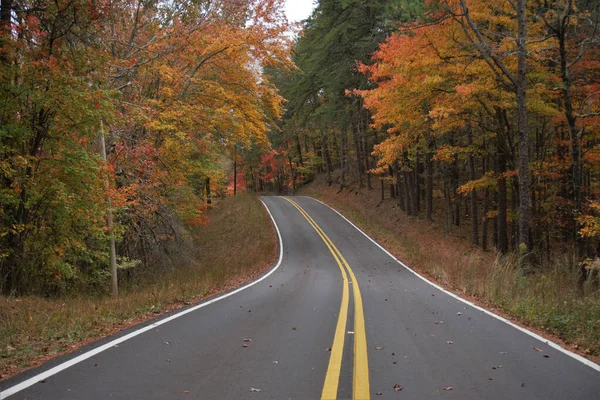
[
  {"x": 236, "y": 245},
  {"x": 550, "y": 298}
]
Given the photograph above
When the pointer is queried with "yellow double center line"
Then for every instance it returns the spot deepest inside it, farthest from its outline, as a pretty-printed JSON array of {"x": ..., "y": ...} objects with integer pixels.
[{"x": 360, "y": 381}]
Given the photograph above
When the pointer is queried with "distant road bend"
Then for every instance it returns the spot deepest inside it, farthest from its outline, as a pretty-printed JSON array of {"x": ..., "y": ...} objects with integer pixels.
[{"x": 336, "y": 318}]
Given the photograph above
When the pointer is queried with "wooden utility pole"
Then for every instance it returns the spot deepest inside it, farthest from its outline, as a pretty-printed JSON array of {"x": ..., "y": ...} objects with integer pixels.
[
  {"x": 109, "y": 217},
  {"x": 234, "y": 172}
]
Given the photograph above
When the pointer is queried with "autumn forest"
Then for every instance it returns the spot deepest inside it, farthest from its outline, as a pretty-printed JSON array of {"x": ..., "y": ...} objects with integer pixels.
[{"x": 123, "y": 120}]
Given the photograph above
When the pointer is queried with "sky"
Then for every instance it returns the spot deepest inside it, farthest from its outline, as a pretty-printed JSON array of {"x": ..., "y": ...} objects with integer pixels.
[{"x": 297, "y": 10}]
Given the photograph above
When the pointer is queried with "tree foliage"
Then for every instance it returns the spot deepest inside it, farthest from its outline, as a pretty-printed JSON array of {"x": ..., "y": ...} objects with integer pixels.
[{"x": 177, "y": 85}]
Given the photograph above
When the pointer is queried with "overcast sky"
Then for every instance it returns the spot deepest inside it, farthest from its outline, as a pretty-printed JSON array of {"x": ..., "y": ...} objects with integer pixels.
[{"x": 297, "y": 10}]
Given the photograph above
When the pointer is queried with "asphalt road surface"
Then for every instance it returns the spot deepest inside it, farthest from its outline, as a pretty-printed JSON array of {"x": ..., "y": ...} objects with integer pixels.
[{"x": 337, "y": 317}]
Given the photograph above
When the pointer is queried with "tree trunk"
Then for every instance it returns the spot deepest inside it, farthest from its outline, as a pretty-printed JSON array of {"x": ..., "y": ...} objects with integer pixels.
[
  {"x": 343, "y": 160},
  {"x": 326, "y": 156},
  {"x": 414, "y": 192},
  {"x": 447, "y": 201},
  {"x": 392, "y": 184},
  {"x": 407, "y": 193},
  {"x": 502, "y": 231},
  {"x": 234, "y": 176},
  {"x": 418, "y": 168},
  {"x": 429, "y": 180},
  {"x": 474, "y": 217},
  {"x": 525, "y": 245},
  {"x": 208, "y": 199},
  {"x": 367, "y": 163},
  {"x": 572, "y": 124},
  {"x": 299, "y": 148},
  {"x": 454, "y": 190},
  {"x": 399, "y": 187},
  {"x": 359, "y": 164},
  {"x": 486, "y": 209}
]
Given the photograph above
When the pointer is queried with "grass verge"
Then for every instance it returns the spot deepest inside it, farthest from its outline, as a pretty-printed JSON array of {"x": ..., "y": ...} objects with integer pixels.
[
  {"x": 238, "y": 244},
  {"x": 550, "y": 300}
]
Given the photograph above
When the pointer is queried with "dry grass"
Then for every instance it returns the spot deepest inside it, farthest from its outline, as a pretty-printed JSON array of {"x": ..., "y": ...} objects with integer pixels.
[
  {"x": 550, "y": 299},
  {"x": 238, "y": 244}
]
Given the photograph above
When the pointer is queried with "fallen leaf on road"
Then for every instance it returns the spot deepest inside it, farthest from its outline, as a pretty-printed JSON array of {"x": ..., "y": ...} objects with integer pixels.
[
  {"x": 185, "y": 391},
  {"x": 398, "y": 388},
  {"x": 254, "y": 389},
  {"x": 293, "y": 328},
  {"x": 536, "y": 349},
  {"x": 447, "y": 387}
]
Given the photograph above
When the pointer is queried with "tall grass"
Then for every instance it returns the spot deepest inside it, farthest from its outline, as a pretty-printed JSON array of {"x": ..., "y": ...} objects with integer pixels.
[
  {"x": 235, "y": 246},
  {"x": 552, "y": 298}
]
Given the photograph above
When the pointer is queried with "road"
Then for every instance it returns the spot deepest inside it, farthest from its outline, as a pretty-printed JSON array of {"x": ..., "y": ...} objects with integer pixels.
[{"x": 337, "y": 317}]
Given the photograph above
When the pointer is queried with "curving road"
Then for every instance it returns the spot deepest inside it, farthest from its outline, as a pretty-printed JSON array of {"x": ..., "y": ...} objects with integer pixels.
[{"x": 337, "y": 317}]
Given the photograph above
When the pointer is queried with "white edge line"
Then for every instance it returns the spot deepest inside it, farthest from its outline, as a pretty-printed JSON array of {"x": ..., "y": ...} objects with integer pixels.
[
  {"x": 556, "y": 346},
  {"x": 52, "y": 371}
]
